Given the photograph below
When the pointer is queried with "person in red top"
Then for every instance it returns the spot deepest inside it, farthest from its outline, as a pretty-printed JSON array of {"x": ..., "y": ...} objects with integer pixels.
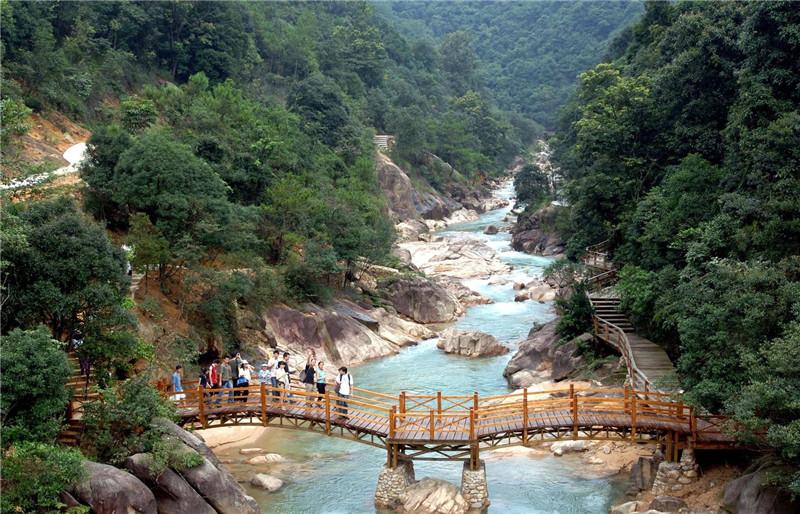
[{"x": 214, "y": 376}]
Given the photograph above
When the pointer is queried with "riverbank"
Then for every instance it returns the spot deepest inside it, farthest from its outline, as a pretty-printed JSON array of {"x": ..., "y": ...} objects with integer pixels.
[{"x": 339, "y": 476}]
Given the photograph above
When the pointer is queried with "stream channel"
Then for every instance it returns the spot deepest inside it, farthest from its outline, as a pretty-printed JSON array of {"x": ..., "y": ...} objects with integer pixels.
[{"x": 327, "y": 475}]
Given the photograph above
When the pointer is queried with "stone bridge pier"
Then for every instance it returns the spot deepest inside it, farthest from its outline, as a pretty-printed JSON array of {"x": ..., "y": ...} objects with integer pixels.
[{"x": 394, "y": 481}]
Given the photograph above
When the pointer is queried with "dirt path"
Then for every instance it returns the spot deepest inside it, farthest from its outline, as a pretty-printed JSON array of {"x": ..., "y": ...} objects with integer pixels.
[{"x": 74, "y": 155}]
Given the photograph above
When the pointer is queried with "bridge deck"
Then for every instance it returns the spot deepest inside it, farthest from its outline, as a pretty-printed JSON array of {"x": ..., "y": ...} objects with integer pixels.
[{"x": 430, "y": 420}]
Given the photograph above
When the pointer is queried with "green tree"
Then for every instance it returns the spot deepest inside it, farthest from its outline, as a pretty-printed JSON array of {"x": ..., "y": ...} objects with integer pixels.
[
  {"x": 69, "y": 271},
  {"x": 34, "y": 401}
]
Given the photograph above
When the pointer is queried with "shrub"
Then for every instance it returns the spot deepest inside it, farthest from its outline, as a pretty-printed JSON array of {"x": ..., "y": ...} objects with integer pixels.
[
  {"x": 119, "y": 424},
  {"x": 34, "y": 398},
  {"x": 35, "y": 473},
  {"x": 576, "y": 313}
]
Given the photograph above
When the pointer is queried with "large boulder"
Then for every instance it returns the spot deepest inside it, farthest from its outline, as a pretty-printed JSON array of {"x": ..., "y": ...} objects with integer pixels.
[
  {"x": 542, "y": 357},
  {"x": 491, "y": 230},
  {"x": 535, "y": 232},
  {"x": 431, "y": 205},
  {"x": 412, "y": 230},
  {"x": 108, "y": 490},
  {"x": 173, "y": 494},
  {"x": 344, "y": 333},
  {"x": 461, "y": 258},
  {"x": 470, "y": 344},
  {"x": 219, "y": 489},
  {"x": 397, "y": 188},
  {"x": 751, "y": 494},
  {"x": 422, "y": 300},
  {"x": 432, "y": 496},
  {"x": 559, "y": 448}
]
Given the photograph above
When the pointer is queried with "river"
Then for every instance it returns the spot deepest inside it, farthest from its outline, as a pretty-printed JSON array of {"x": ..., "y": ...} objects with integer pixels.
[{"x": 325, "y": 475}]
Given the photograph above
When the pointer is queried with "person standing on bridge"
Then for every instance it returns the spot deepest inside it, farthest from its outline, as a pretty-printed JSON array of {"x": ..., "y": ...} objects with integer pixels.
[
  {"x": 226, "y": 377},
  {"x": 243, "y": 381},
  {"x": 320, "y": 380},
  {"x": 177, "y": 385},
  {"x": 235, "y": 364},
  {"x": 307, "y": 378},
  {"x": 344, "y": 388},
  {"x": 283, "y": 380},
  {"x": 214, "y": 377},
  {"x": 273, "y": 370}
]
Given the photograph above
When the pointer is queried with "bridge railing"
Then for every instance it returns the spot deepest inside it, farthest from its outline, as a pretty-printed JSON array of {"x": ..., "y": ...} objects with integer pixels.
[
  {"x": 457, "y": 420},
  {"x": 596, "y": 256}
]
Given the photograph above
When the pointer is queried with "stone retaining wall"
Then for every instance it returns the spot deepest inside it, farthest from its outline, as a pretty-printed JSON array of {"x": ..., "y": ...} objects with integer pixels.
[
  {"x": 392, "y": 483},
  {"x": 474, "y": 488}
]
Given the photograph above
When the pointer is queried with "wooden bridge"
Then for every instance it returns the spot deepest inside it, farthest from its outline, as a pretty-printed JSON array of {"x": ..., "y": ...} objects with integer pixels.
[
  {"x": 649, "y": 367},
  {"x": 458, "y": 427}
]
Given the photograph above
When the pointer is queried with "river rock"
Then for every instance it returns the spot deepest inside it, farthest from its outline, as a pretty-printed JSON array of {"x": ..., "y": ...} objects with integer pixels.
[
  {"x": 219, "y": 489},
  {"x": 465, "y": 295},
  {"x": 535, "y": 233},
  {"x": 412, "y": 230},
  {"x": 470, "y": 344},
  {"x": 559, "y": 448},
  {"x": 461, "y": 258},
  {"x": 397, "y": 188},
  {"x": 750, "y": 494},
  {"x": 251, "y": 451},
  {"x": 462, "y": 216},
  {"x": 432, "y": 496},
  {"x": 108, "y": 490},
  {"x": 266, "y": 482},
  {"x": 542, "y": 357},
  {"x": 625, "y": 508},
  {"x": 341, "y": 334},
  {"x": 270, "y": 458},
  {"x": 491, "y": 230},
  {"x": 173, "y": 494},
  {"x": 402, "y": 255},
  {"x": 422, "y": 300},
  {"x": 434, "y": 206},
  {"x": 666, "y": 503}
]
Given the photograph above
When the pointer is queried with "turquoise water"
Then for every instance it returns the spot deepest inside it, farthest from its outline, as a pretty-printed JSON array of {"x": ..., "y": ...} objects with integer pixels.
[{"x": 330, "y": 476}]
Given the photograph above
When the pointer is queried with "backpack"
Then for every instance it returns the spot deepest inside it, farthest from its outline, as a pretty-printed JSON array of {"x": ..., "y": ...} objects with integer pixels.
[{"x": 303, "y": 376}]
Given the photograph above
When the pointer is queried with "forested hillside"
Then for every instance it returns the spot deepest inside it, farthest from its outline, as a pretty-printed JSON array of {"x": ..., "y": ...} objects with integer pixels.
[
  {"x": 532, "y": 52},
  {"x": 685, "y": 152}
]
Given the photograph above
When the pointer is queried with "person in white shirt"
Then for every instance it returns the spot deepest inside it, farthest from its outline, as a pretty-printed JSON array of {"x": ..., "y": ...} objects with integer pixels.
[
  {"x": 272, "y": 365},
  {"x": 344, "y": 388},
  {"x": 245, "y": 375}
]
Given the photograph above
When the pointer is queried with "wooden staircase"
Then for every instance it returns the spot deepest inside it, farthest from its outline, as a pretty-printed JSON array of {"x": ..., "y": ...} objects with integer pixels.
[
  {"x": 649, "y": 367},
  {"x": 608, "y": 309},
  {"x": 83, "y": 390}
]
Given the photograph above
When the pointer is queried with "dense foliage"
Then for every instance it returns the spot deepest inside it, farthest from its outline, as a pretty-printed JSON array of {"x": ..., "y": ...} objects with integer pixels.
[
  {"x": 684, "y": 152},
  {"x": 35, "y": 474},
  {"x": 121, "y": 423},
  {"x": 532, "y": 51},
  {"x": 35, "y": 370}
]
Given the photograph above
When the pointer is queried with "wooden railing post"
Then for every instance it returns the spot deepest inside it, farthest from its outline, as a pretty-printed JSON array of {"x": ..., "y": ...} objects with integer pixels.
[
  {"x": 693, "y": 424},
  {"x": 432, "y": 427},
  {"x": 264, "y": 404},
  {"x": 574, "y": 407},
  {"x": 402, "y": 402},
  {"x": 633, "y": 416},
  {"x": 475, "y": 400},
  {"x": 471, "y": 424},
  {"x": 201, "y": 406},
  {"x": 392, "y": 421},
  {"x": 327, "y": 413},
  {"x": 627, "y": 395},
  {"x": 525, "y": 417},
  {"x": 439, "y": 403}
]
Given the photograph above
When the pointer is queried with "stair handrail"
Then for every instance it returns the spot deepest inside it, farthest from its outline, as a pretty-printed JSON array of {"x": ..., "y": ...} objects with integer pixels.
[{"x": 636, "y": 377}]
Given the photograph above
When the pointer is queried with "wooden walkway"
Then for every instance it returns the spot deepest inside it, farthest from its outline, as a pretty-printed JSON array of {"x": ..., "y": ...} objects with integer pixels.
[
  {"x": 443, "y": 427},
  {"x": 649, "y": 366}
]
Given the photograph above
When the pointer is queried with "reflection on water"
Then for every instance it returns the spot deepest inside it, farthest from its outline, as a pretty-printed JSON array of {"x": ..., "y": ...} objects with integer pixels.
[{"x": 330, "y": 476}]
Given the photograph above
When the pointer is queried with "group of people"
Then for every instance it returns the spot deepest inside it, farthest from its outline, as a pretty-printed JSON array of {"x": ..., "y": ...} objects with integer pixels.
[{"x": 236, "y": 374}]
